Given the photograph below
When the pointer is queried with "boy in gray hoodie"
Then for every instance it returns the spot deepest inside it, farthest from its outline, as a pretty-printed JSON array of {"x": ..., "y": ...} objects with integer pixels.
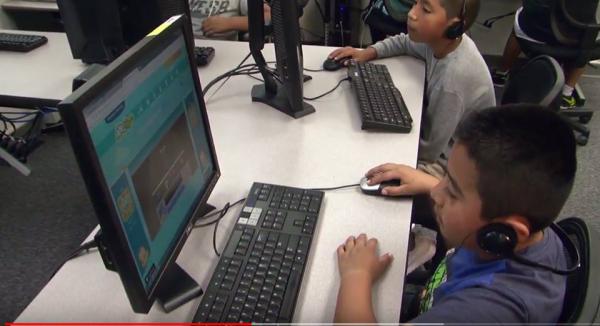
[{"x": 457, "y": 78}]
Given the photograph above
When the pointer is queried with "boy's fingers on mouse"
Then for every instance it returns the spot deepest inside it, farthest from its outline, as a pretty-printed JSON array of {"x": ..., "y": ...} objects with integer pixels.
[
  {"x": 400, "y": 190},
  {"x": 384, "y": 176},
  {"x": 375, "y": 170}
]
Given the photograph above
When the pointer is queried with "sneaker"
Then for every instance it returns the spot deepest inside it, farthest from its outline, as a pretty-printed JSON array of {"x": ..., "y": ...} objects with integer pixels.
[
  {"x": 499, "y": 77},
  {"x": 568, "y": 102}
]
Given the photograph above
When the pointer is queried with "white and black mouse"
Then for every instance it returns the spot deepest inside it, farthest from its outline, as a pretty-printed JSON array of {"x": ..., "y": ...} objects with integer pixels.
[{"x": 376, "y": 189}]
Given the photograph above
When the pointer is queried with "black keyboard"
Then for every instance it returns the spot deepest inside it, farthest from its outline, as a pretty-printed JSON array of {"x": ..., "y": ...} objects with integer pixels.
[
  {"x": 21, "y": 42},
  {"x": 204, "y": 55},
  {"x": 380, "y": 102},
  {"x": 259, "y": 274}
]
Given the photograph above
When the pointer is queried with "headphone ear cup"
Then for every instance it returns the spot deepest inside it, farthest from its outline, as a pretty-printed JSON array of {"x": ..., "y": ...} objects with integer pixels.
[
  {"x": 497, "y": 239},
  {"x": 455, "y": 30}
]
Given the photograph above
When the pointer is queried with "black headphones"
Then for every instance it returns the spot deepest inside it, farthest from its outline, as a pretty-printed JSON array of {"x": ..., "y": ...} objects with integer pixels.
[
  {"x": 500, "y": 240},
  {"x": 457, "y": 29}
]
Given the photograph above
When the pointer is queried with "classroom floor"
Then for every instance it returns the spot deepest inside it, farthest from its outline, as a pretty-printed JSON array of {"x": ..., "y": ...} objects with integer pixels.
[{"x": 59, "y": 214}]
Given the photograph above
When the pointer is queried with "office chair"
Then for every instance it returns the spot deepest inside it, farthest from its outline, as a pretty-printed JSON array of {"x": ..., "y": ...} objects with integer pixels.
[
  {"x": 540, "y": 81},
  {"x": 582, "y": 297},
  {"x": 381, "y": 25},
  {"x": 575, "y": 29}
]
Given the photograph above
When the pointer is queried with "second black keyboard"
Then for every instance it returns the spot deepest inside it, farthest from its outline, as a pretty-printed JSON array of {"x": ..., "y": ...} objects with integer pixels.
[
  {"x": 259, "y": 274},
  {"x": 380, "y": 102},
  {"x": 21, "y": 42}
]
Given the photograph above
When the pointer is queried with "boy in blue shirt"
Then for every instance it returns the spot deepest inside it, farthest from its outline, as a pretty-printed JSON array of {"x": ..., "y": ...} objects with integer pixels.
[{"x": 512, "y": 165}]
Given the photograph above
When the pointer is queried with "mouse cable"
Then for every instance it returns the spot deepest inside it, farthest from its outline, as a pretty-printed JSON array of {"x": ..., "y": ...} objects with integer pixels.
[
  {"x": 335, "y": 188},
  {"x": 329, "y": 91},
  {"x": 221, "y": 213},
  {"x": 314, "y": 70},
  {"x": 87, "y": 246}
]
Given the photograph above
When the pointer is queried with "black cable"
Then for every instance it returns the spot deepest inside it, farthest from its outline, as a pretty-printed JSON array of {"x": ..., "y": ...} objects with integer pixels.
[
  {"x": 336, "y": 188},
  {"x": 87, "y": 246},
  {"x": 314, "y": 70},
  {"x": 222, "y": 212},
  {"x": 211, "y": 83},
  {"x": 328, "y": 92},
  {"x": 215, "y": 239}
]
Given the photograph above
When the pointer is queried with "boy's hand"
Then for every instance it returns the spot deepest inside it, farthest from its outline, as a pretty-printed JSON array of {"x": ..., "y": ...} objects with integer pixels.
[
  {"x": 356, "y": 54},
  {"x": 357, "y": 257},
  {"x": 413, "y": 181},
  {"x": 215, "y": 25}
]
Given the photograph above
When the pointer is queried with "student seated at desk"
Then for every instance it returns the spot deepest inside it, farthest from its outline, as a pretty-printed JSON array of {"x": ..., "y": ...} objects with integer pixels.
[
  {"x": 457, "y": 78},
  {"x": 221, "y": 19},
  {"x": 532, "y": 23},
  {"x": 512, "y": 165}
]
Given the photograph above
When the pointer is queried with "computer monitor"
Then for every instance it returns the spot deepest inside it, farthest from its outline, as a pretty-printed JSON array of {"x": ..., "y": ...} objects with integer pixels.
[
  {"x": 283, "y": 90},
  {"x": 142, "y": 139},
  {"x": 99, "y": 31}
]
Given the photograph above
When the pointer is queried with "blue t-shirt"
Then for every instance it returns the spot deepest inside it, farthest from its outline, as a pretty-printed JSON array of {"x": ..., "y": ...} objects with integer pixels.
[{"x": 500, "y": 291}]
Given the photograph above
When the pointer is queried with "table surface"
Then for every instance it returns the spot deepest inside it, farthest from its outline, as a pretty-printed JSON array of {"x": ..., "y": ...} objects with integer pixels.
[{"x": 257, "y": 143}]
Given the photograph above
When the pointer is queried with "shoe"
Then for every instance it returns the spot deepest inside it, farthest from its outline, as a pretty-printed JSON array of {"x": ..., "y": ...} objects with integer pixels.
[
  {"x": 499, "y": 77},
  {"x": 568, "y": 102}
]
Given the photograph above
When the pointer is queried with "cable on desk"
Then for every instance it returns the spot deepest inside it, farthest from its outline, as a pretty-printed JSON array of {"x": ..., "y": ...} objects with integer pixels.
[
  {"x": 87, "y": 246},
  {"x": 227, "y": 75},
  {"x": 335, "y": 188},
  {"x": 222, "y": 212},
  {"x": 314, "y": 70},
  {"x": 328, "y": 92}
]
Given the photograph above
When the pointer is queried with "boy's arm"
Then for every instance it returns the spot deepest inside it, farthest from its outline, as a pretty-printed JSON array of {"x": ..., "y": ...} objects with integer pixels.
[
  {"x": 219, "y": 24},
  {"x": 399, "y": 45},
  {"x": 444, "y": 111},
  {"x": 354, "y": 301},
  {"x": 360, "y": 267}
]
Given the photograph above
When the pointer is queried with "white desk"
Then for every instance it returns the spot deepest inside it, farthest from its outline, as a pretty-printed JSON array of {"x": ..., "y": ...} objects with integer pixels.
[
  {"x": 42, "y": 76},
  {"x": 257, "y": 143}
]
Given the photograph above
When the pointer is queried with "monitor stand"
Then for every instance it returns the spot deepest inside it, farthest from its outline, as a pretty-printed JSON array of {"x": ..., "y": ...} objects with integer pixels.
[
  {"x": 279, "y": 101},
  {"x": 176, "y": 288}
]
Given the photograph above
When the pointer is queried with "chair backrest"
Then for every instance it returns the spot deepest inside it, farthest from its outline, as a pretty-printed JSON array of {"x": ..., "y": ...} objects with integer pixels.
[
  {"x": 575, "y": 22},
  {"x": 582, "y": 297},
  {"x": 398, "y": 9},
  {"x": 539, "y": 81}
]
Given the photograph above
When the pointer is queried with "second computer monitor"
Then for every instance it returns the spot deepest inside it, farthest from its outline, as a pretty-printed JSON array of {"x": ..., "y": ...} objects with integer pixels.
[
  {"x": 100, "y": 30},
  {"x": 282, "y": 90}
]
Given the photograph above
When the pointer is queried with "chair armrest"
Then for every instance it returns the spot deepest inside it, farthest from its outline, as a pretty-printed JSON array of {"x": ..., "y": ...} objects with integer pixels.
[{"x": 574, "y": 21}]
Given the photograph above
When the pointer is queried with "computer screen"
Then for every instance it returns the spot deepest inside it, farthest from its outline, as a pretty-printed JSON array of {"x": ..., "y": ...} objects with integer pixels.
[{"x": 150, "y": 151}]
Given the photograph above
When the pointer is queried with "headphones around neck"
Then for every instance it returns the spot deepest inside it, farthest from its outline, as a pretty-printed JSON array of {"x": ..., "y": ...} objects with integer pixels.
[
  {"x": 500, "y": 240},
  {"x": 457, "y": 29}
]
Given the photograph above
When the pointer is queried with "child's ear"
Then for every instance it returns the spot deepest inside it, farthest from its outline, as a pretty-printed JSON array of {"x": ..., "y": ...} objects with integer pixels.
[{"x": 520, "y": 224}]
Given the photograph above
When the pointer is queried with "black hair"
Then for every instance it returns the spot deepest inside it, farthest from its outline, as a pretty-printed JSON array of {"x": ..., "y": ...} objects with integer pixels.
[
  {"x": 454, "y": 7},
  {"x": 526, "y": 162}
]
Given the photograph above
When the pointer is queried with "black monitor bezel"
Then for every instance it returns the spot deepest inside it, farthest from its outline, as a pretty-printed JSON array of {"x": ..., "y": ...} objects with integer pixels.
[{"x": 71, "y": 110}]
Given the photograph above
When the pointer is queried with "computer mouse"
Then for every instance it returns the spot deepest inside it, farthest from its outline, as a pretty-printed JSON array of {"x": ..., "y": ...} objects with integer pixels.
[
  {"x": 333, "y": 65},
  {"x": 376, "y": 189}
]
